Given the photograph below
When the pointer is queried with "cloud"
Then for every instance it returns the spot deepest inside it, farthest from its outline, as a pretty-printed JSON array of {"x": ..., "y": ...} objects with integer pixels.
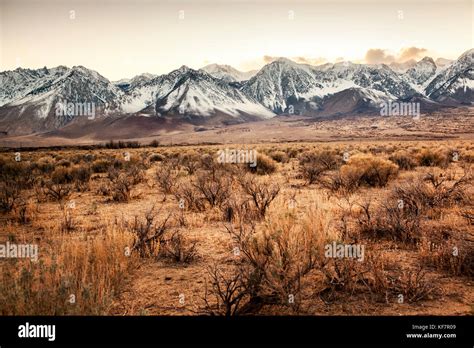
[
  {"x": 378, "y": 56},
  {"x": 269, "y": 59},
  {"x": 372, "y": 56},
  {"x": 411, "y": 53},
  {"x": 311, "y": 61}
]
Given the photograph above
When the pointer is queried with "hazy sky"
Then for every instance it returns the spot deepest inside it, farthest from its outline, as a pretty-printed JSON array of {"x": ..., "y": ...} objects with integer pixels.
[{"x": 122, "y": 38}]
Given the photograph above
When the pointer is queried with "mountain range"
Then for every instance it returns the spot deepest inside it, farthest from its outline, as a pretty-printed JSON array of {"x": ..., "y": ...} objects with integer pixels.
[{"x": 222, "y": 94}]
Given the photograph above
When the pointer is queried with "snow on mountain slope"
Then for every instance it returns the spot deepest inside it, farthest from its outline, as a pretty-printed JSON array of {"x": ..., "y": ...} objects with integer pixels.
[
  {"x": 375, "y": 77},
  {"x": 143, "y": 95},
  {"x": 442, "y": 62},
  {"x": 228, "y": 73},
  {"x": 455, "y": 82},
  {"x": 401, "y": 68},
  {"x": 17, "y": 83},
  {"x": 422, "y": 71},
  {"x": 28, "y": 98},
  {"x": 197, "y": 93},
  {"x": 127, "y": 84},
  {"x": 282, "y": 82},
  {"x": 77, "y": 85}
]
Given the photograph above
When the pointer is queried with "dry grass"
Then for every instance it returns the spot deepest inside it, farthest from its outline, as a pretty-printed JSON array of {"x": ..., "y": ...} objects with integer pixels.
[{"x": 238, "y": 240}]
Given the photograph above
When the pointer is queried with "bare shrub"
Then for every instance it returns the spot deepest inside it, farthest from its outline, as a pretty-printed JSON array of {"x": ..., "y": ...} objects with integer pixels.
[
  {"x": 179, "y": 249},
  {"x": 314, "y": 164},
  {"x": 375, "y": 275},
  {"x": 228, "y": 291},
  {"x": 101, "y": 166},
  {"x": 45, "y": 165},
  {"x": 156, "y": 157},
  {"x": 432, "y": 158},
  {"x": 24, "y": 211},
  {"x": 214, "y": 186},
  {"x": 17, "y": 173},
  {"x": 61, "y": 175},
  {"x": 81, "y": 176},
  {"x": 449, "y": 250},
  {"x": 281, "y": 255},
  {"x": 166, "y": 175},
  {"x": 279, "y": 156},
  {"x": 446, "y": 189},
  {"x": 190, "y": 161},
  {"x": 59, "y": 193},
  {"x": 413, "y": 285},
  {"x": 378, "y": 274},
  {"x": 261, "y": 192},
  {"x": 148, "y": 233},
  {"x": 239, "y": 209},
  {"x": 403, "y": 160},
  {"x": 400, "y": 215},
  {"x": 187, "y": 193},
  {"x": 344, "y": 185},
  {"x": 9, "y": 195},
  {"x": 120, "y": 185},
  {"x": 341, "y": 274},
  {"x": 136, "y": 174},
  {"x": 208, "y": 162},
  {"x": 390, "y": 220},
  {"x": 434, "y": 190}
]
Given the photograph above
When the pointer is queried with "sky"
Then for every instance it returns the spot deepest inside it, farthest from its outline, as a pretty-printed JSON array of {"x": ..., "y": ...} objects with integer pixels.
[{"x": 124, "y": 38}]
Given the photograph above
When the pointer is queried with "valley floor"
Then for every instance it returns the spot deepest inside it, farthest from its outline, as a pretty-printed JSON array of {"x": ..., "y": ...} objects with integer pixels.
[
  {"x": 166, "y": 230},
  {"x": 456, "y": 123}
]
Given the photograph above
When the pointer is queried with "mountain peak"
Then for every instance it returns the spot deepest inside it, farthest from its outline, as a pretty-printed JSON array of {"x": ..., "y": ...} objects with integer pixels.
[
  {"x": 343, "y": 65},
  {"x": 421, "y": 72},
  {"x": 284, "y": 60},
  {"x": 217, "y": 66},
  {"x": 469, "y": 54},
  {"x": 183, "y": 68},
  {"x": 427, "y": 60},
  {"x": 227, "y": 73}
]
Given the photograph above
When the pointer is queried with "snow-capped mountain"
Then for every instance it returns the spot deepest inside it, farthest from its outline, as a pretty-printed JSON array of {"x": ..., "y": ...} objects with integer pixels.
[
  {"x": 401, "y": 68},
  {"x": 379, "y": 78},
  {"x": 455, "y": 83},
  {"x": 195, "y": 93},
  {"x": 127, "y": 84},
  {"x": 17, "y": 83},
  {"x": 228, "y": 73},
  {"x": 442, "y": 62},
  {"x": 188, "y": 92},
  {"x": 29, "y": 98},
  {"x": 422, "y": 71},
  {"x": 283, "y": 83},
  {"x": 42, "y": 105},
  {"x": 280, "y": 80},
  {"x": 144, "y": 95}
]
